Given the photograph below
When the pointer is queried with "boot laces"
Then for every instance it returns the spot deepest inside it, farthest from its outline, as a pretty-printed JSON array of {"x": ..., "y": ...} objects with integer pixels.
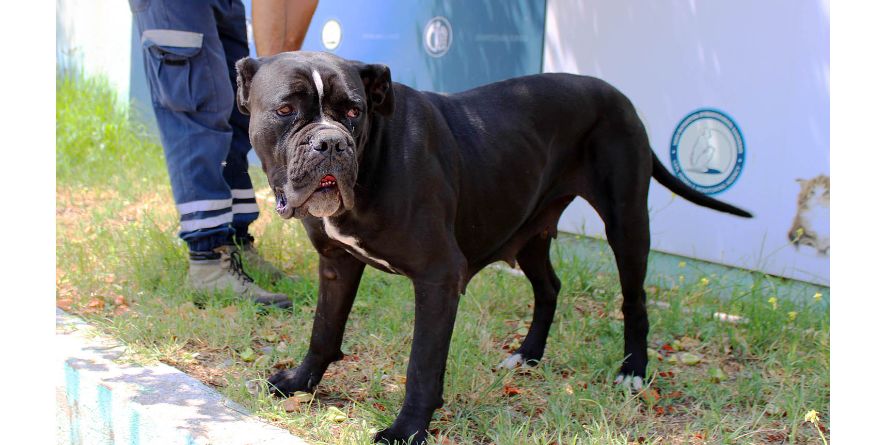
[{"x": 237, "y": 267}]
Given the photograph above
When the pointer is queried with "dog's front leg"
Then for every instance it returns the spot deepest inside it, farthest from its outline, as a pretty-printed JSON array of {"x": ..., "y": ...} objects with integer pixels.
[
  {"x": 339, "y": 279},
  {"x": 435, "y": 306}
]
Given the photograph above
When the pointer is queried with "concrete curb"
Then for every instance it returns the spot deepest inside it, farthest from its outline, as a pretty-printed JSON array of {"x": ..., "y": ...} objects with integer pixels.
[{"x": 100, "y": 400}]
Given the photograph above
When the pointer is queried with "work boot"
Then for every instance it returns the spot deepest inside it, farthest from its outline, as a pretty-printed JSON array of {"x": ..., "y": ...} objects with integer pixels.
[
  {"x": 222, "y": 269},
  {"x": 255, "y": 261}
]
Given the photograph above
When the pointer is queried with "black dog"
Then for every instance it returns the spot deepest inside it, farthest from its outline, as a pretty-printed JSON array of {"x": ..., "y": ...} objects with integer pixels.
[{"x": 435, "y": 187}]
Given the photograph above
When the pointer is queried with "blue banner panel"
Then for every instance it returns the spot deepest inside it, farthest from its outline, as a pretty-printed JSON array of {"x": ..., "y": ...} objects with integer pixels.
[{"x": 445, "y": 46}]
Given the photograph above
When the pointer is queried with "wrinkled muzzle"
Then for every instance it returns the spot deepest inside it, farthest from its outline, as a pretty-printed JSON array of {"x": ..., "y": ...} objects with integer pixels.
[{"x": 321, "y": 171}]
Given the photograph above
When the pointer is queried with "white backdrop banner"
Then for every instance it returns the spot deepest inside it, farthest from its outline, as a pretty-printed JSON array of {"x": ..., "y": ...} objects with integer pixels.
[{"x": 735, "y": 97}]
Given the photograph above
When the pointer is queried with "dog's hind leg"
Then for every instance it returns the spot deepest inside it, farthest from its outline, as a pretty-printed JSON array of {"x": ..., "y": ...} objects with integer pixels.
[
  {"x": 534, "y": 260},
  {"x": 628, "y": 235},
  {"x": 620, "y": 166}
]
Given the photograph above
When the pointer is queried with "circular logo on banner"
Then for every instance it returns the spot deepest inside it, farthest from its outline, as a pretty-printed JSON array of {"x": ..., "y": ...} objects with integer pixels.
[
  {"x": 707, "y": 151},
  {"x": 438, "y": 36},
  {"x": 331, "y": 34}
]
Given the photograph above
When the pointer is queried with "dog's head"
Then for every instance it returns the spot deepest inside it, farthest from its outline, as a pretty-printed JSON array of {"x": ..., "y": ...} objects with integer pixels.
[{"x": 309, "y": 118}]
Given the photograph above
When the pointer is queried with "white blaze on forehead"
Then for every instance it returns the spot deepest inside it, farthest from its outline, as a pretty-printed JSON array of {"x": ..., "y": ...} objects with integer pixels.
[{"x": 318, "y": 82}]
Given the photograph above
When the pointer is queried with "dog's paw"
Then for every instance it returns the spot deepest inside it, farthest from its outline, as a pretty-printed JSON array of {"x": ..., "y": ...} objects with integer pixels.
[
  {"x": 629, "y": 381},
  {"x": 512, "y": 362},
  {"x": 517, "y": 360},
  {"x": 289, "y": 381},
  {"x": 391, "y": 437}
]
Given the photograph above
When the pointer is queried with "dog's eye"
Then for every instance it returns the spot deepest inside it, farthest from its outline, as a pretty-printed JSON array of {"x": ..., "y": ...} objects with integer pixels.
[
  {"x": 285, "y": 110},
  {"x": 354, "y": 113}
]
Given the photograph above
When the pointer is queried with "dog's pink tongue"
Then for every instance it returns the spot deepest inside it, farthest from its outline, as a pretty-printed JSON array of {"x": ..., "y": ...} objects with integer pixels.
[{"x": 328, "y": 178}]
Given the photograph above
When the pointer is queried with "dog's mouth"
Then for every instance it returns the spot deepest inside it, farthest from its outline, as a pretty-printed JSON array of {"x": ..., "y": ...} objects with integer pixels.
[
  {"x": 324, "y": 200},
  {"x": 328, "y": 182}
]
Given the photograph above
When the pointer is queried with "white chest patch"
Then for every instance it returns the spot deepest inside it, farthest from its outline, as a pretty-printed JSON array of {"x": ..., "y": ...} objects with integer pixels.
[{"x": 352, "y": 242}]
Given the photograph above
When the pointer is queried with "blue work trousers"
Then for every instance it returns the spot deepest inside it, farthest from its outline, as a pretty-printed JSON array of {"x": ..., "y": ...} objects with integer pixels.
[{"x": 189, "y": 49}]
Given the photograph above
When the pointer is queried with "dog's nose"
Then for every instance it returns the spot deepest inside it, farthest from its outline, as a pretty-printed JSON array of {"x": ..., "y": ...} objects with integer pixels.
[{"x": 329, "y": 139}]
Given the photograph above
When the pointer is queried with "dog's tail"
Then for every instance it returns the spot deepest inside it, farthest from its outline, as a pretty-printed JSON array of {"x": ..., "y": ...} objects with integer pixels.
[{"x": 665, "y": 178}]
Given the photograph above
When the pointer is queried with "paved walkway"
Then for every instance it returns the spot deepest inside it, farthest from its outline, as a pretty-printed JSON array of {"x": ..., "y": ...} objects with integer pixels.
[{"x": 102, "y": 400}]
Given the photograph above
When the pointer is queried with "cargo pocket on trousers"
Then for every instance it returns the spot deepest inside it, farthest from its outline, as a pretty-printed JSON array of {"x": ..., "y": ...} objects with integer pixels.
[{"x": 180, "y": 76}]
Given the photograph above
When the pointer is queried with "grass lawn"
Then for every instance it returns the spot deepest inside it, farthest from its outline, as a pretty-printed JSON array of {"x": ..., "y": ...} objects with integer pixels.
[{"x": 121, "y": 266}]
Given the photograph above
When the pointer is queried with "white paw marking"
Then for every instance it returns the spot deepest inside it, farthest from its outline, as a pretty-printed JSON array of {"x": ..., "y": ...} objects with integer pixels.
[
  {"x": 351, "y": 242},
  {"x": 633, "y": 383},
  {"x": 512, "y": 362}
]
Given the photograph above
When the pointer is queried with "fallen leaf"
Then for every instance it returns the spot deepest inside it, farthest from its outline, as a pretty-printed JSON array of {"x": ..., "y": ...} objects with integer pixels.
[
  {"x": 716, "y": 374},
  {"x": 284, "y": 363},
  {"x": 336, "y": 415},
  {"x": 650, "y": 396},
  {"x": 121, "y": 309},
  {"x": 511, "y": 390},
  {"x": 776, "y": 437},
  {"x": 291, "y": 405},
  {"x": 667, "y": 347},
  {"x": 303, "y": 397},
  {"x": 522, "y": 331},
  {"x": 653, "y": 353},
  {"x": 673, "y": 395},
  {"x": 64, "y": 303},
  {"x": 247, "y": 355},
  {"x": 230, "y": 311},
  {"x": 94, "y": 305},
  {"x": 688, "y": 358},
  {"x": 119, "y": 300}
]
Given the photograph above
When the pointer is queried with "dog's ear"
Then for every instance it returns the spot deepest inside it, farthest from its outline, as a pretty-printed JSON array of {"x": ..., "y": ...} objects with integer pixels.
[
  {"x": 246, "y": 68},
  {"x": 377, "y": 83}
]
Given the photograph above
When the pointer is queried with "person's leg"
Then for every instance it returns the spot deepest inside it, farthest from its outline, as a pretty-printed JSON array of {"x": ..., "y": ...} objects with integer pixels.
[
  {"x": 186, "y": 68},
  {"x": 232, "y": 34},
  {"x": 182, "y": 56}
]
